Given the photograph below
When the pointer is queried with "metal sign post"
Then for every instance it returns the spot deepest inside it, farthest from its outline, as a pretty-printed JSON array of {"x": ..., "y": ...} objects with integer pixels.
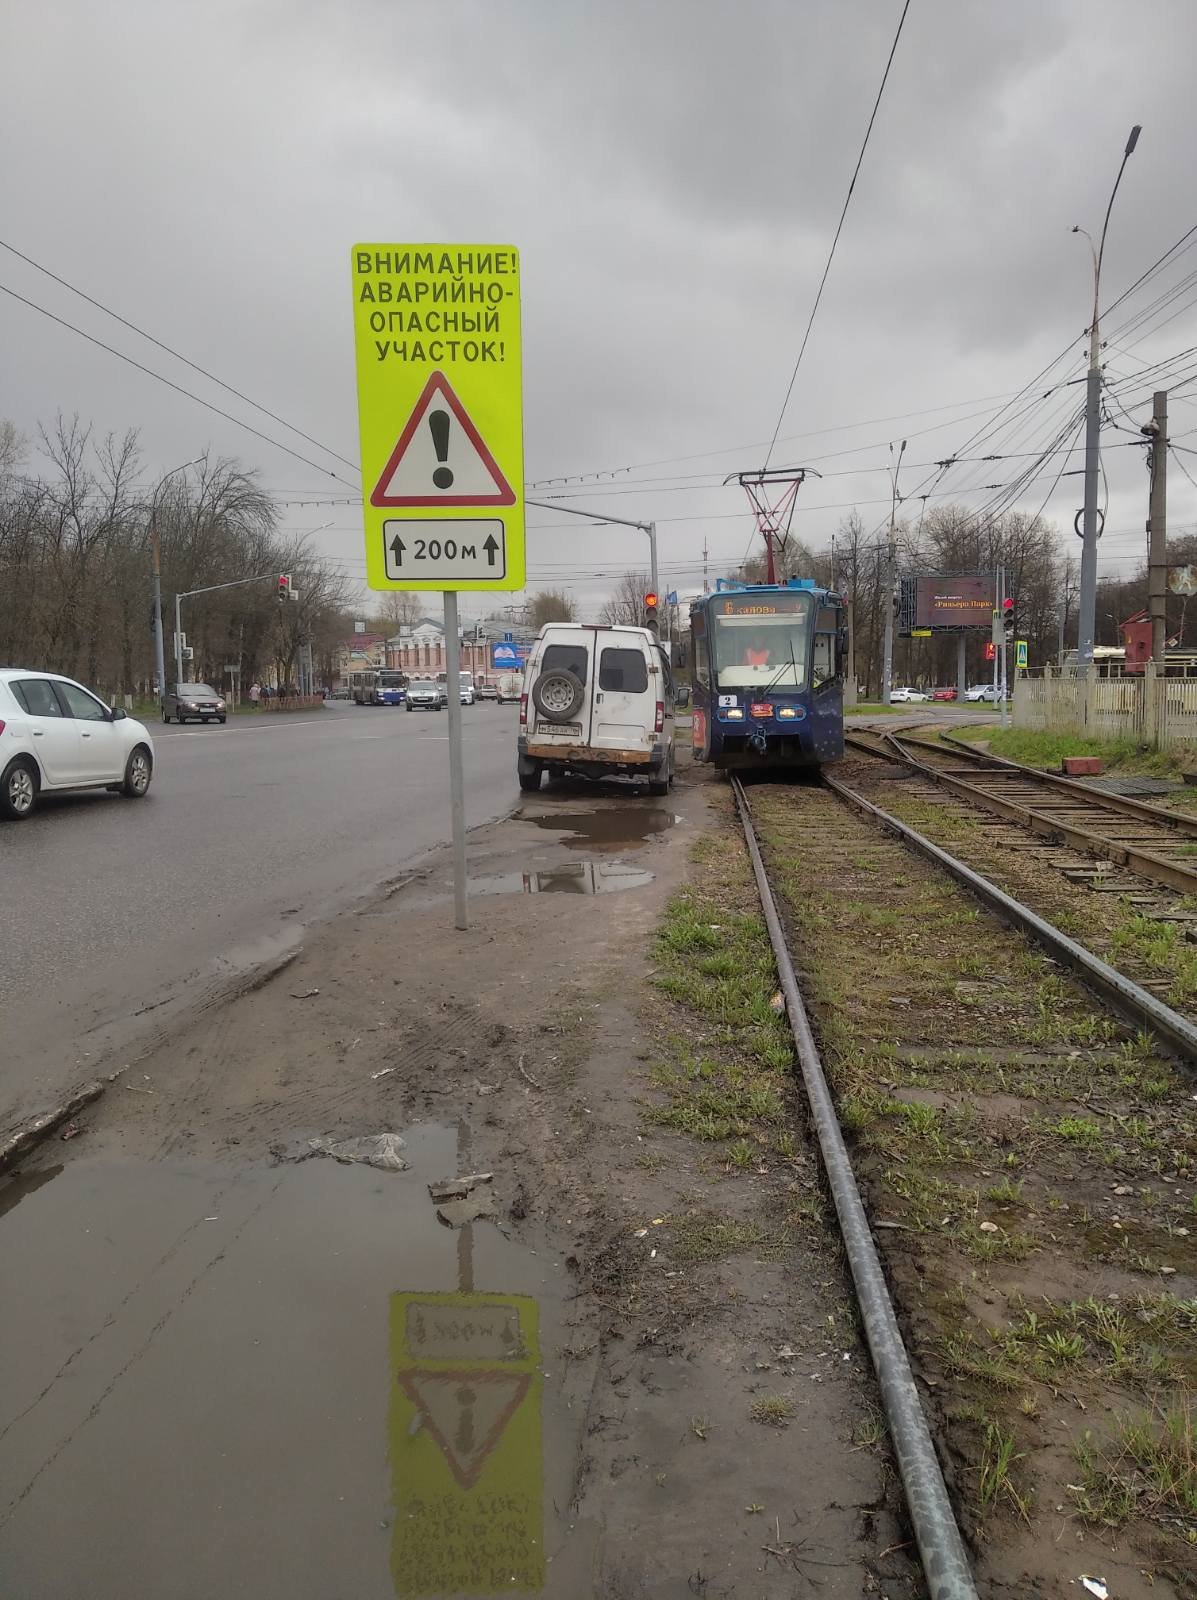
[{"x": 440, "y": 414}]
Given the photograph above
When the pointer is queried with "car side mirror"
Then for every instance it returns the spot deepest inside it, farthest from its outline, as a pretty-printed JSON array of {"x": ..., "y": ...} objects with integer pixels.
[
  {"x": 682, "y": 697},
  {"x": 117, "y": 714}
]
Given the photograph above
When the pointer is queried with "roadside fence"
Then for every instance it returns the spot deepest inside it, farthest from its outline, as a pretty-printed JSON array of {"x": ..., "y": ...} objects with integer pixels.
[{"x": 1148, "y": 707}]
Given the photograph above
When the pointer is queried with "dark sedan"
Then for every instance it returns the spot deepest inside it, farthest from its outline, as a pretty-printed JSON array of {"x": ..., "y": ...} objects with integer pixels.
[{"x": 186, "y": 702}]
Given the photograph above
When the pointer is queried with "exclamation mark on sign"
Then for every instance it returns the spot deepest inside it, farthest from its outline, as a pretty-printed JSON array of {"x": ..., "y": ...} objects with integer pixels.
[{"x": 438, "y": 421}]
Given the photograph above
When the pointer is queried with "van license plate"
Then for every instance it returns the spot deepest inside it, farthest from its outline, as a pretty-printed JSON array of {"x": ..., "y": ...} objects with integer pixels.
[{"x": 572, "y": 730}]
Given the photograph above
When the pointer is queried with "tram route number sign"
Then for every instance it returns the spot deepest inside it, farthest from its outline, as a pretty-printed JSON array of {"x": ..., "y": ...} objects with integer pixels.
[{"x": 440, "y": 415}]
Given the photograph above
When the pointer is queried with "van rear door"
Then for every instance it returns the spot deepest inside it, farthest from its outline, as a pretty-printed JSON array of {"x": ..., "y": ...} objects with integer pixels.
[
  {"x": 625, "y": 693},
  {"x": 572, "y": 655}
]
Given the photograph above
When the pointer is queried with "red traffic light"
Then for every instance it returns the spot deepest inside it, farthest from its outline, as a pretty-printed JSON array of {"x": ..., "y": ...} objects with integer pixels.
[
  {"x": 650, "y": 600},
  {"x": 1007, "y": 605},
  {"x": 990, "y": 650}
]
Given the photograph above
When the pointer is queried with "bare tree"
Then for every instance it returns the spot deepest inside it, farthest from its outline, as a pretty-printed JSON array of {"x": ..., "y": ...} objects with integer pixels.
[
  {"x": 550, "y": 605},
  {"x": 398, "y": 608},
  {"x": 625, "y": 606}
]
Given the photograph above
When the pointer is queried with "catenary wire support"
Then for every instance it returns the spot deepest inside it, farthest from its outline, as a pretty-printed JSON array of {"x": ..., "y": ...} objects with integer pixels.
[
  {"x": 941, "y": 1548},
  {"x": 772, "y": 493}
]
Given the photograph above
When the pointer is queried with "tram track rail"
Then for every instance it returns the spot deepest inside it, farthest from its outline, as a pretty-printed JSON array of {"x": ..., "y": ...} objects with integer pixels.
[
  {"x": 1147, "y": 840},
  {"x": 933, "y": 1520},
  {"x": 940, "y": 1544}
]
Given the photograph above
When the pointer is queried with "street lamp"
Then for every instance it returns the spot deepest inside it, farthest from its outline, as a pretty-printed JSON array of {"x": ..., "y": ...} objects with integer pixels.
[
  {"x": 624, "y": 522},
  {"x": 1089, "y": 530},
  {"x": 156, "y": 562}
]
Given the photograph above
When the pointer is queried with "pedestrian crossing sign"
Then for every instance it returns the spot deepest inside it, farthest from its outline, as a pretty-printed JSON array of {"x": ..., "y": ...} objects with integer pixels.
[{"x": 1020, "y": 653}]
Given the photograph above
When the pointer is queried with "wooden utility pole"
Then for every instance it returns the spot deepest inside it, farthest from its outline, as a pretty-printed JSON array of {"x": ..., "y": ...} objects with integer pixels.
[{"x": 1157, "y": 523}]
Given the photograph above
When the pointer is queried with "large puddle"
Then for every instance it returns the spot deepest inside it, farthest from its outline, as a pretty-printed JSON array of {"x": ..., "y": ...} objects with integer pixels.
[
  {"x": 575, "y": 877},
  {"x": 613, "y": 829},
  {"x": 276, "y": 1382}
]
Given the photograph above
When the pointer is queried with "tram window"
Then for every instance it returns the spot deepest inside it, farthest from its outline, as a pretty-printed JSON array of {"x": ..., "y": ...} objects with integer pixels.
[
  {"x": 566, "y": 658},
  {"x": 702, "y": 669},
  {"x": 823, "y": 663},
  {"x": 623, "y": 671}
]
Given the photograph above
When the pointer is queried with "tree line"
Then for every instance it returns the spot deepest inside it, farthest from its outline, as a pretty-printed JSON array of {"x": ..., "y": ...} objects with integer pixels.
[{"x": 75, "y": 569}]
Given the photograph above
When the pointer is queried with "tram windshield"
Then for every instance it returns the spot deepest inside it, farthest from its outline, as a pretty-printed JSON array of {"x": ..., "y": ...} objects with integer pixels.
[{"x": 760, "y": 640}]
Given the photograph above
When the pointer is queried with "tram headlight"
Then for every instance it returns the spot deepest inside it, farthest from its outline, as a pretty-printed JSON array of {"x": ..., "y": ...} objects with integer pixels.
[
  {"x": 786, "y": 711},
  {"x": 734, "y": 714}
]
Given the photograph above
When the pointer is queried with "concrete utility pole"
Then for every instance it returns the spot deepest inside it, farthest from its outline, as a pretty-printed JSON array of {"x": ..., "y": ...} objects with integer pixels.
[
  {"x": 1157, "y": 524},
  {"x": 1089, "y": 530},
  {"x": 891, "y": 578}
]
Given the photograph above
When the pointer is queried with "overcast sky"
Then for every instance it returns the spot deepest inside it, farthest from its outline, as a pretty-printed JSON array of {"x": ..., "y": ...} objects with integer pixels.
[{"x": 672, "y": 172}]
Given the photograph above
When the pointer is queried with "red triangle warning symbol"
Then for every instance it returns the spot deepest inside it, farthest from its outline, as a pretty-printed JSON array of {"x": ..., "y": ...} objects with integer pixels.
[
  {"x": 441, "y": 458},
  {"x": 465, "y": 1412}
]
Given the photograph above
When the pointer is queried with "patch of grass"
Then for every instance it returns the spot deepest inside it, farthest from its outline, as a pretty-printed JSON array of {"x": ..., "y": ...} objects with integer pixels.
[
  {"x": 870, "y": 1430},
  {"x": 1080, "y": 1131},
  {"x": 1006, "y": 1193},
  {"x": 1037, "y": 748},
  {"x": 1148, "y": 1469},
  {"x": 995, "y": 1473},
  {"x": 702, "y": 1236},
  {"x": 774, "y": 1410}
]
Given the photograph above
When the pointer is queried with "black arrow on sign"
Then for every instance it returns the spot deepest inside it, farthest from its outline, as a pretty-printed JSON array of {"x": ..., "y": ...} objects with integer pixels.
[
  {"x": 491, "y": 546},
  {"x": 397, "y": 549}
]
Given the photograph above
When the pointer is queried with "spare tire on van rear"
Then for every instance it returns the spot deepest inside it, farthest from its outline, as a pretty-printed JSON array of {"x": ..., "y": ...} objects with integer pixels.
[{"x": 558, "y": 695}]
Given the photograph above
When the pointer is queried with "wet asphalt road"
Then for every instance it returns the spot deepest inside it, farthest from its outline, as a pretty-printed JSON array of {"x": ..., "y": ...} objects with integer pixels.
[{"x": 113, "y": 906}]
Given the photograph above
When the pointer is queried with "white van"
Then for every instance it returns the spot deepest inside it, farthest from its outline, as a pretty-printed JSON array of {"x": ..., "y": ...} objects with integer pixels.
[{"x": 599, "y": 702}]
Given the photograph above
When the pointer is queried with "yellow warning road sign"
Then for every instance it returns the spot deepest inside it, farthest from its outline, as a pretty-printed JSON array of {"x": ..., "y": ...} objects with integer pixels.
[
  {"x": 465, "y": 1445},
  {"x": 440, "y": 414}
]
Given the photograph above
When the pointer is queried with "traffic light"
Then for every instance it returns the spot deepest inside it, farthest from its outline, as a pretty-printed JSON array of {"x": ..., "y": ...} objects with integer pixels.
[
  {"x": 990, "y": 650},
  {"x": 1008, "y": 618},
  {"x": 284, "y": 586},
  {"x": 650, "y": 609}
]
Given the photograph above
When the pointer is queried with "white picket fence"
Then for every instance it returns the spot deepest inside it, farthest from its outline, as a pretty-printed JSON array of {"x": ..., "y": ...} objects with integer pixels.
[{"x": 1145, "y": 707}]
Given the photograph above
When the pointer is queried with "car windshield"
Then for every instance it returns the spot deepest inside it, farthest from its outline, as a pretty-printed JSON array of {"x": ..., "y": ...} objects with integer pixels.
[
  {"x": 190, "y": 690},
  {"x": 761, "y": 640}
]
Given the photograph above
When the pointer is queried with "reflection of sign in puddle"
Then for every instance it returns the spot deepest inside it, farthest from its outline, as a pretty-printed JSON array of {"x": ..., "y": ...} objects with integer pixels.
[
  {"x": 465, "y": 1444},
  {"x": 576, "y": 877}
]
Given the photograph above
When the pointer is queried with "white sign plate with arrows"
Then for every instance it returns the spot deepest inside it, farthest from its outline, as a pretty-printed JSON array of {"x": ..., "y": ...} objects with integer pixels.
[{"x": 446, "y": 555}]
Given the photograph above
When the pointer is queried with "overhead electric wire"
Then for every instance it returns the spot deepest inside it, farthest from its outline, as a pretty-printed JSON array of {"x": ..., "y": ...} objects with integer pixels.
[
  {"x": 170, "y": 384},
  {"x": 195, "y": 367},
  {"x": 606, "y": 474},
  {"x": 839, "y": 228}
]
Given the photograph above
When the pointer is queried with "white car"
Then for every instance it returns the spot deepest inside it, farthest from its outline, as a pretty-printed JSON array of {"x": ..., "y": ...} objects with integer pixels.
[
  {"x": 55, "y": 735},
  {"x": 981, "y": 691},
  {"x": 904, "y": 696}
]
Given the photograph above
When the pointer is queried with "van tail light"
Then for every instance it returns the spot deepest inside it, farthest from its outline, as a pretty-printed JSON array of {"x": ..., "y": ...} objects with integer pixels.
[
  {"x": 660, "y": 722},
  {"x": 1, "y": 724},
  {"x": 523, "y": 711}
]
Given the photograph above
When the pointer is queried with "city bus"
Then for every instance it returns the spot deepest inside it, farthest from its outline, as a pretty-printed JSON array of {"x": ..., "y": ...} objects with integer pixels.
[
  {"x": 378, "y": 686},
  {"x": 768, "y": 675}
]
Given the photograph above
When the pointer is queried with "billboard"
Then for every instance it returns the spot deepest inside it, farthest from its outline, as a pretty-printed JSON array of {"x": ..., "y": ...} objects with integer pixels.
[
  {"x": 953, "y": 600},
  {"x": 509, "y": 655}
]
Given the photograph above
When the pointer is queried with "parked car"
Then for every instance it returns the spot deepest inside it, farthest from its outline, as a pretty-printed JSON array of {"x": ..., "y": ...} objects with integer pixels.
[
  {"x": 193, "y": 701},
  {"x": 55, "y": 735},
  {"x": 510, "y": 686},
  {"x": 981, "y": 691},
  {"x": 598, "y": 702},
  {"x": 485, "y": 690},
  {"x": 943, "y": 694},
  {"x": 905, "y": 696},
  {"x": 466, "y": 681},
  {"x": 425, "y": 694}
]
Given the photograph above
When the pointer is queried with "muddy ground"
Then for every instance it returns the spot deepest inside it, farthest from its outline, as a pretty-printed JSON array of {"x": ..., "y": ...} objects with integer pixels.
[{"x": 239, "y": 1367}]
